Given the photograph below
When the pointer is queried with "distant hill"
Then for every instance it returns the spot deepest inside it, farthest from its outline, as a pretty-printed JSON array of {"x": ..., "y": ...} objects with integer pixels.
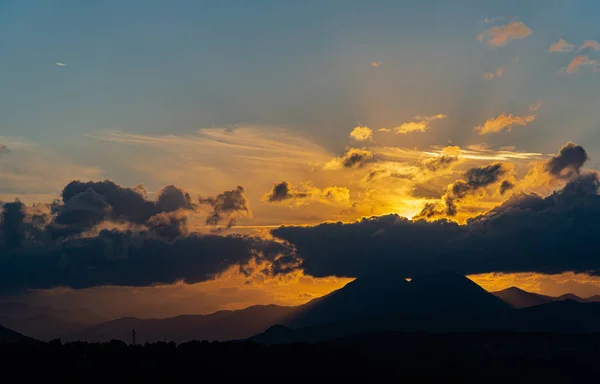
[
  {"x": 377, "y": 295},
  {"x": 10, "y": 336},
  {"x": 222, "y": 325},
  {"x": 518, "y": 298},
  {"x": 45, "y": 322}
]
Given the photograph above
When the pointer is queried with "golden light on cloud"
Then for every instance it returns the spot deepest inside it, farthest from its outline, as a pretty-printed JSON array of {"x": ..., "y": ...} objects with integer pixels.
[
  {"x": 503, "y": 122},
  {"x": 420, "y": 124},
  {"x": 582, "y": 61},
  {"x": 361, "y": 134},
  {"x": 591, "y": 45},
  {"x": 376, "y": 64},
  {"x": 499, "y": 36},
  {"x": 561, "y": 46}
]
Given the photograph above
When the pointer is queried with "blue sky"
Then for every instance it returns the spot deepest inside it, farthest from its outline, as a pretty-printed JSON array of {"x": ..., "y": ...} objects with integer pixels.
[{"x": 156, "y": 68}]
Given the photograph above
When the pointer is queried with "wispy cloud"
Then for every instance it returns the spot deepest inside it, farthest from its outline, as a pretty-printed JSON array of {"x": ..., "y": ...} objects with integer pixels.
[
  {"x": 376, "y": 64},
  {"x": 505, "y": 122},
  {"x": 361, "y": 134},
  {"x": 499, "y": 36},
  {"x": 561, "y": 46},
  {"x": 581, "y": 61},
  {"x": 59, "y": 64},
  {"x": 592, "y": 45},
  {"x": 420, "y": 124}
]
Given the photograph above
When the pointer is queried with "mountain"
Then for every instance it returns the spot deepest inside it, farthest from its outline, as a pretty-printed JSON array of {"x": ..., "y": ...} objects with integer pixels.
[
  {"x": 565, "y": 316},
  {"x": 45, "y": 322},
  {"x": 518, "y": 298},
  {"x": 10, "y": 336},
  {"x": 222, "y": 325},
  {"x": 377, "y": 295}
]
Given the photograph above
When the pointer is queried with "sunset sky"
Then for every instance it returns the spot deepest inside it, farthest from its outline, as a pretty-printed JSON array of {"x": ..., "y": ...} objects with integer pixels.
[{"x": 443, "y": 126}]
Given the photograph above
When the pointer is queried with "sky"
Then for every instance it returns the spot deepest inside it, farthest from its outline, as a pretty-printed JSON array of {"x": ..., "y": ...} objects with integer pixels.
[{"x": 303, "y": 114}]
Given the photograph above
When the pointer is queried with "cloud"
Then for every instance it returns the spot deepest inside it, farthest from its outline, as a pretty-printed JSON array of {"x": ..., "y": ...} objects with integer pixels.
[
  {"x": 3, "y": 149},
  {"x": 591, "y": 45},
  {"x": 561, "y": 46},
  {"x": 420, "y": 124},
  {"x": 489, "y": 76},
  {"x": 550, "y": 234},
  {"x": 59, "y": 64},
  {"x": 229, "y": 204},
  {"x": 506, "y": 186},
  {"x": 535, "y": 106},
  {"x": 284, "y": 192},
  {"x": 581, "y": 61},
  {"x": 500, "y": 36},
  {"x": 384, "y": 130},
  {"x": 86, "y": 204},
  {"x": 376, "y": 64},
  {"x": 361, "y": 134},
  {"x": 445, "y": 159},
  {"x": 353, "y": 158},
  {"x": 503, "y": 123},
  {"x": 568, "y": 161}
]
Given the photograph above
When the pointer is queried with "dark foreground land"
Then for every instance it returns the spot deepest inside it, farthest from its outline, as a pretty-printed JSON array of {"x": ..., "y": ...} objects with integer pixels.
[{"x": 403, "y": 357}]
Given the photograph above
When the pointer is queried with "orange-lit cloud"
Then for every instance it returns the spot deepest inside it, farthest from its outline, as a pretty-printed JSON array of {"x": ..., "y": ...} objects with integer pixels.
[
  {"x": 592, "y": 45},
  {"x": 420, "y": 124},
  {"x": 284, "y": 192},
  {"x": 489, "y": 76},
  {"x": 361, "y": 134},
  {"x": 353, "y": 158},
  {"x": 376, "y": 64},
  {"x": 581, "y": 61},
  {"x": 503, "y": 122},
  {"x": 500, "y": 36},
  {"x": 561, "y": 46}
]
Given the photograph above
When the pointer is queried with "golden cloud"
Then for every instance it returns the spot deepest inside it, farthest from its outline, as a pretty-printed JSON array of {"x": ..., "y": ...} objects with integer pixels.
[
  {"x": 582, "y": 61},
  {"x": 561, "y": 46},
  {"x": 591, "y": 45},
  {"x": 361, "y": 133},
  {"x": 500, "y": 36},
  {"x": 420, "y": 124},
  {"x": 503, "y": 122}
]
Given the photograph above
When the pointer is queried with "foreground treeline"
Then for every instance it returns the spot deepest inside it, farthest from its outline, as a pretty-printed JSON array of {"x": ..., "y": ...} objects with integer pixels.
[{"x": 478, "y": 356}]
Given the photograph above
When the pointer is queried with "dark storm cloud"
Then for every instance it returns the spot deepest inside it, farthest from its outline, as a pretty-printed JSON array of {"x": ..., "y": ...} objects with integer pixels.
[
  {"x": 506, "y": 186},
  {"x": 283, "y": 191},
  {"x": 527, "y": 233},
  {"x": 130, "y": 259},
  {"x": 12, "y": 225},
  {"x": 568, "y": 161},
  {"x": 94, "y": 202},
  {"x": 227, "y": 204},
  {"x": 168, "y": 226}
]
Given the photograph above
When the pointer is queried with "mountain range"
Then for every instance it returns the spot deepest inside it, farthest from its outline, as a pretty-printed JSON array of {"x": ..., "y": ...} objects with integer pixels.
[{"x": 438, "y": 302}]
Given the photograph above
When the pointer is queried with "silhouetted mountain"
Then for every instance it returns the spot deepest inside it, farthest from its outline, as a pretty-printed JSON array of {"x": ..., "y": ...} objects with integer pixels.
[
  {"x": 593, "y": 299},
  {"x": 518, "y": 298},
  {"x": 570, "y": 296},
  {"x": 376, "y": 295},
  {"x": 222, "y": 325},
  {"x": 42, "y": 327},
  {"x": 10, "y": 336},
  {"x": 45, "y": 322},
  {"x": 565, "y": 316}
]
